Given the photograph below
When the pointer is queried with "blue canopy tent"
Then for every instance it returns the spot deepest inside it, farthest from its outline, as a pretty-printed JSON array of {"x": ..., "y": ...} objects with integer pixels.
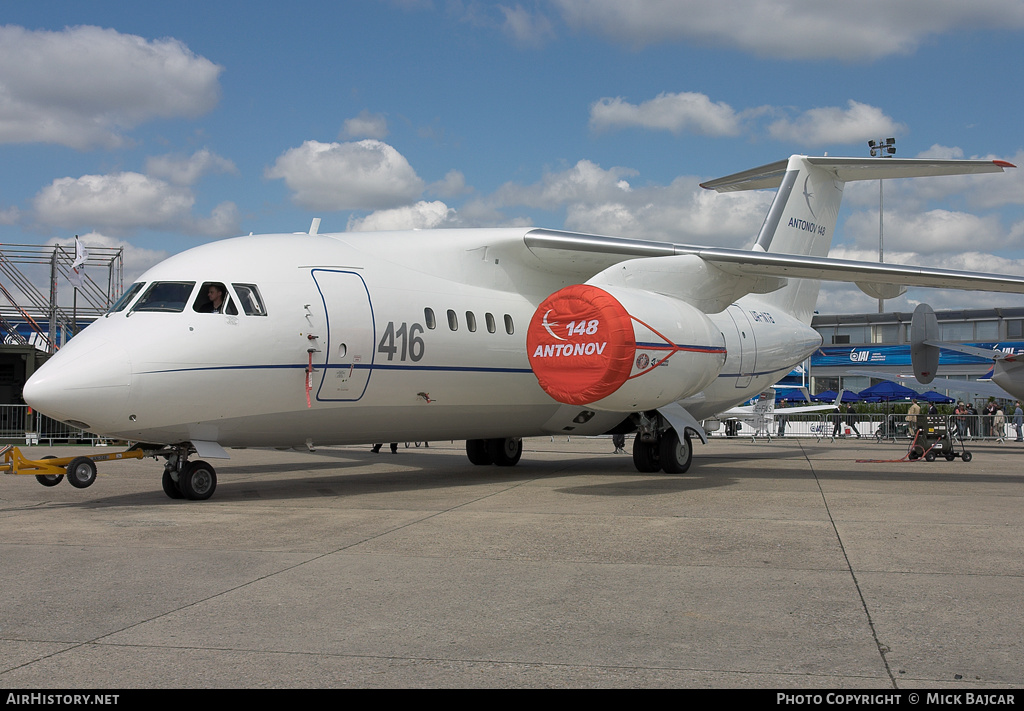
[
  {"x": 887, "y": 391},
  {"x": 936, "y": 397}
]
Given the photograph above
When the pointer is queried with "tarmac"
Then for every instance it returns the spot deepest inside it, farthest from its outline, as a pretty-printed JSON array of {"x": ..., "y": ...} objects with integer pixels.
[{"x": 782, "y": 565}]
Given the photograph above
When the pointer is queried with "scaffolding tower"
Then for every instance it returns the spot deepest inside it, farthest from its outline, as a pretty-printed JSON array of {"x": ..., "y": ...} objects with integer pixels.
[{"x": 30, "y": 316}]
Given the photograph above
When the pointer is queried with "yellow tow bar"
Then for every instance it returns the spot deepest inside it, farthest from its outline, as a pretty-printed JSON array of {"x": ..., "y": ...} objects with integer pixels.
[{"x": 49, "y": 471}]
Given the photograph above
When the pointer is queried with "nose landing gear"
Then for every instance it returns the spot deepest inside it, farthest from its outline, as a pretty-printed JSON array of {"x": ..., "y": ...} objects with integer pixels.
[{"x": 183, "y": 479}]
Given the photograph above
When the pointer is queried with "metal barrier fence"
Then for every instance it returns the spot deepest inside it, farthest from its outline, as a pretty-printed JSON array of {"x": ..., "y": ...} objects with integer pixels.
[
  {"x": 877, "y": 426},
  {"x": 18, "y": 422}
]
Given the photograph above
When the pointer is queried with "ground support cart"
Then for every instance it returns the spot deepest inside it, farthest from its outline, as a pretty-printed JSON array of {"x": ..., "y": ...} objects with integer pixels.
[
  {"x": 50, "y": 470},
  {"x": 935, "y": 439}
]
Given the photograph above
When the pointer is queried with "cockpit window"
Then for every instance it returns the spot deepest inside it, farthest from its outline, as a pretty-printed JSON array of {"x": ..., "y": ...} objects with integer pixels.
[
  {"x": 249, "y": 298},
  {"x": 126, "y": 298},
  {"x": 214, "y": 298},
  {"x": 167, "y": 296}
]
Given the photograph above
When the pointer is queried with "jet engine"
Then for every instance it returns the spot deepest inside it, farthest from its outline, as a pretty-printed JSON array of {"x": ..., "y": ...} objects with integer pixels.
[{"x": 622, "y": 349}]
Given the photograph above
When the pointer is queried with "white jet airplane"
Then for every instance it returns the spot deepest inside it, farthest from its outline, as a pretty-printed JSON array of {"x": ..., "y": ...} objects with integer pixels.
[
  {"x": 487, "y": 335},
  {"x": 760, "y": 416}
]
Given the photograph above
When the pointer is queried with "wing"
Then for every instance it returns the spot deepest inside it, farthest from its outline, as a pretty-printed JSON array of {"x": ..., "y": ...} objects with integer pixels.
[{"x": 589, "y": 254}]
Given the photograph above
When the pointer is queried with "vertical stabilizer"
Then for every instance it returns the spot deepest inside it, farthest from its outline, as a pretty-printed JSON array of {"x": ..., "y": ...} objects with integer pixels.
[{"x": 802, "y": 218}]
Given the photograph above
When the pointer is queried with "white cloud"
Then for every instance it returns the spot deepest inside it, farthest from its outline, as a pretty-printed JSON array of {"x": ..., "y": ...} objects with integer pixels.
[
  {"x": 928, "y": 232},
  {"x": 602, "y": 201},
  {"x": 452, "y": 185},
  {"x": 685, "y": 111},
  {"x": 366, "y": 125},
  {"x": 421, "y": 216},
  {"x": 831, "y": 124},
  {"x": 223, "y": 221},
  {"x": 526, "y": 28},
  {"x": 802, "y": 29},
  {"x": 365, "y": 175},
  {"x": 117, "y": 202},
  {"x": 83, "y": 86},
  {"x": 127, "y": 201},
  {"x": 187, "y": 170},
  {"x": 584, "y": 182}
]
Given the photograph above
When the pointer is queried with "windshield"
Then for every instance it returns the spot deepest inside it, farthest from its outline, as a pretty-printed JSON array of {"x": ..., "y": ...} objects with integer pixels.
[
  {"x": 126, "y": 298},
  {"x": 168, "y": 296}
]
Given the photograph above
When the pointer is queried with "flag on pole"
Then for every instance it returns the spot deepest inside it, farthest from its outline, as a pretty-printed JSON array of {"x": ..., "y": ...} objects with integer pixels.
[{"x": 77, "y": 276}]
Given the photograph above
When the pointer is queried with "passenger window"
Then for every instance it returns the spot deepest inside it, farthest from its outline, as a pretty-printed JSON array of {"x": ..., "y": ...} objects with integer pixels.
[
  {"x": 509, "y": 327},
  {"x": 453, "y": 320},
  {"x": 213, "y": 298},
  {"x": 428, "y": 316},
  {"x": 126, "y": 298},
  {"x": 249, "y": 298},
  {"x": 489, "y": 318},
  {"x": 167, "y": 296},
  {"x": 471, "y": 321}
]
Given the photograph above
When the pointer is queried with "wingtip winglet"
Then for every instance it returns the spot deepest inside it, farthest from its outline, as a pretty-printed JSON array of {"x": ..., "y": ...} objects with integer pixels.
[{"x": 1004, "y": 164}]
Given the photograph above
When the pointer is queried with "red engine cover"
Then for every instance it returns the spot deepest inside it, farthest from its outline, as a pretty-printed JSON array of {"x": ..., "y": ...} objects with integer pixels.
[{"x": 581, "y": 346}]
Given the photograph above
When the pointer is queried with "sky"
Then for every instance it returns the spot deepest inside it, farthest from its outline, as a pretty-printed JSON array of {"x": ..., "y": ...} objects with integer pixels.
[{"x": 161, "y": 126}]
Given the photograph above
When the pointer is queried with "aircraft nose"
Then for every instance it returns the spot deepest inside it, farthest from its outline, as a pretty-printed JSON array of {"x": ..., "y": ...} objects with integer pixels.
[{"x": 86, "y": 384}]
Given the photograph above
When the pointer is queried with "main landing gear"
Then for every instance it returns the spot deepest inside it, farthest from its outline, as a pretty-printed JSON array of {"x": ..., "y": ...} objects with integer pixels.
[
  {"x": 503, "y": 451},
  {"x": 660, "y": 448}
]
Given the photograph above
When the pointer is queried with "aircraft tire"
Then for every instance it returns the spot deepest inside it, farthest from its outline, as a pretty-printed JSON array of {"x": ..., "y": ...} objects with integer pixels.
[
  {"x": 505, "y": 451},
  {"x": 675, "y": 452},
  {"x": 49, "y": 479},
  {"x": 646, "y": 455},
  {"x": 476, "y": 450},
  {"x": 81, "y": 472},
  {"x": 171, "y": 487},
  {"x": 198, "y": 481}
]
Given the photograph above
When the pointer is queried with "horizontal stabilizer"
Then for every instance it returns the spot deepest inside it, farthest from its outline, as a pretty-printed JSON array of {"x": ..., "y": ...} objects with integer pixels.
[{"x": 850, "y": 169}]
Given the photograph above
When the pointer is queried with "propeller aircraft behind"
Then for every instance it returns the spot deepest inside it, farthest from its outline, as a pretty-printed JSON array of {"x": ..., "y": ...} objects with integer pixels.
[
  {"x": 1004, "y": 380},
  {"x": 487, "y": 335}
]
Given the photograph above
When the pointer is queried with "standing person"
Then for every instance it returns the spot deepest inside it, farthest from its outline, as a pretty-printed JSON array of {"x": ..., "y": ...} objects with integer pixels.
[
  {"x": 837, "y": 421},
  {"x": 999, "y": 425},
  {"x": 619, "y": 440},
  {"x": 912, "y": 412},
  {"x": 851, "y": 419},
  {"x": 990, "y": 414},
  {"x": 1018, "y": 421},
  {"x": 972, "y": 421}
]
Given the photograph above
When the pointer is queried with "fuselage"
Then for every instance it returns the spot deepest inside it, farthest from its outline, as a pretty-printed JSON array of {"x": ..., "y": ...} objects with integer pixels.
[{"x": 352, "y": 338}]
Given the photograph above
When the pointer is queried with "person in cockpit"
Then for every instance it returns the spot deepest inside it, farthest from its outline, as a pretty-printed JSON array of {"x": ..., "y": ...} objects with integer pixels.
[{"x": 216, "y": 293}]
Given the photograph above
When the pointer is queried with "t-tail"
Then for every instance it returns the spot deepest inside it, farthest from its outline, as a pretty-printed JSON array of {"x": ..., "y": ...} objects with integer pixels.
[{"x": 803, "y": 216}]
